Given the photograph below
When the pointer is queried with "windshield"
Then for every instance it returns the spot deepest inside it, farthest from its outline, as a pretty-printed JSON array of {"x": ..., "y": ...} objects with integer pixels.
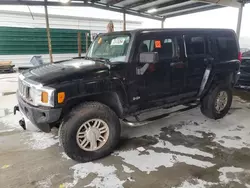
[{"x": 110, "y": 47}]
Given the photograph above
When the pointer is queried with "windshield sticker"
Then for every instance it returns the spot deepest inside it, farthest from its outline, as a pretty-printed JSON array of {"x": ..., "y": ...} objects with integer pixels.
[
  {"x": 118, "y": 41},
  {"x": 99, "y": 40},
  {"x": 157, "y": 44}
]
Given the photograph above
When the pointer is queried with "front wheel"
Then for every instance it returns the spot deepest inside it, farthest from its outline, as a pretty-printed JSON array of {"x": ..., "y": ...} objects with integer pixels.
[
  {"x": 217, "y": 102},
  {"x": 91, "y": 131}
]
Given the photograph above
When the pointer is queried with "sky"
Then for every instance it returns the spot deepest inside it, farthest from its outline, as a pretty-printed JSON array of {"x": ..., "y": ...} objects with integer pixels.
[{"x": 219, "y": 18}]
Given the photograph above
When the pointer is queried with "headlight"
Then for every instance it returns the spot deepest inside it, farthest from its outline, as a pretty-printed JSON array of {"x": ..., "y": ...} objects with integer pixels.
[{"x": 42, "y": 96}]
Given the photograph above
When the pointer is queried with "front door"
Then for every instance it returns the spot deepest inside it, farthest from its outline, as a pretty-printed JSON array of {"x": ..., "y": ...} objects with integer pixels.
[{"x": 154, "y": 80}]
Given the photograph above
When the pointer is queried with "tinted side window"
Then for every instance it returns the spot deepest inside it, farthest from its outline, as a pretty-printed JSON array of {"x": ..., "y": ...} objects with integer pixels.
[
  {"x": 164, "y": 47},
  {"x": 226, "y": 48},
  {"x": 149, "y": 44},
  {"x": 195, "y": 45}
]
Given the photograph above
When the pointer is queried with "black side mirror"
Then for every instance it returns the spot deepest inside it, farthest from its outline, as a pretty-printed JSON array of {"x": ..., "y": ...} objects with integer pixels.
[{"x": 149, "y": 57}]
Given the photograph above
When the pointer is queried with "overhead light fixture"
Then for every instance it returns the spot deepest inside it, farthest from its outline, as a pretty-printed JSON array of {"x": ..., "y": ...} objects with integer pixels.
[
  {"x": 65, "y": 1},
  {"x": 152, "y": 10}
]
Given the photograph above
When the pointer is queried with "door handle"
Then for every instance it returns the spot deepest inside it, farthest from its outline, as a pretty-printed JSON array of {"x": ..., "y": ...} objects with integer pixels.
[
  {"x": 207, "y": 59},
  {"x": 177, "y": 64}
]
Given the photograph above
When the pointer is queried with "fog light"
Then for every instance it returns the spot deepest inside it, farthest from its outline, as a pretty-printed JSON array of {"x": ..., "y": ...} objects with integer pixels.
[{"x": 45, "y": 97}]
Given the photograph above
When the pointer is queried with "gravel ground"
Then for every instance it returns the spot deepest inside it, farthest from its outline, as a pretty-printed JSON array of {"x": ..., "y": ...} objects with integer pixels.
[{"x": 182, "y": 150}]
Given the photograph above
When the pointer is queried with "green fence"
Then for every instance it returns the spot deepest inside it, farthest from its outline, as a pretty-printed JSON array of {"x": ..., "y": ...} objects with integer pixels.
[{"x": 23, "y": 41}]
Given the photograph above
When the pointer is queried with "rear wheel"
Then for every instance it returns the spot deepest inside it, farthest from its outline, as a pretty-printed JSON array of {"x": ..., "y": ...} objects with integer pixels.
[
  {"x": 91, "y": 131},
  {"x": 217, "y": 102}
]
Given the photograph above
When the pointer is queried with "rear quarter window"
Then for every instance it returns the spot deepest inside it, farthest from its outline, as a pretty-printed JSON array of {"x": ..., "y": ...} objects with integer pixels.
[{"x": 226, "y": 48}]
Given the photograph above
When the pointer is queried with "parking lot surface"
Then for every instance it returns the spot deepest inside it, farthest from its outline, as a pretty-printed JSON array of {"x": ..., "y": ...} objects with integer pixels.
[{"x": 182, "y": 150}]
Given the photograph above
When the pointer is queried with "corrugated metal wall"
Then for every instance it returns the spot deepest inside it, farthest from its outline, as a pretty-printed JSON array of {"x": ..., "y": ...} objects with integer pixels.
[
  {"x": 20, "y": 41},
  {"x": 24, "y": 19}
]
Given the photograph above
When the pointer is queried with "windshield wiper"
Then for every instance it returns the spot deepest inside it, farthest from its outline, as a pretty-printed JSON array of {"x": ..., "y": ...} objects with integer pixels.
[{"x": 105, "y": 60}]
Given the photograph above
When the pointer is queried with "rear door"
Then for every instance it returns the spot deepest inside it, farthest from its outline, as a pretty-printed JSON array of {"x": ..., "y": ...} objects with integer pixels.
[{"x": 198, "y": 59}]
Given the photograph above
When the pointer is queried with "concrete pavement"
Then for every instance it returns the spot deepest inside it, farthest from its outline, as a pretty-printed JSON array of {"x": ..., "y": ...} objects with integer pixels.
[{"x": 183, "y": 150}]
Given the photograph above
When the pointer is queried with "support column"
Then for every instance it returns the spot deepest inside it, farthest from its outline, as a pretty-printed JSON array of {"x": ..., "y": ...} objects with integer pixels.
[
  {"x": 162, "y": 23},
  {"x": 79, "y": 42},
  {"x": 48, "y": 31},
  {"x": 240, "y": 19},
  {"x": 124, "y": 21}
]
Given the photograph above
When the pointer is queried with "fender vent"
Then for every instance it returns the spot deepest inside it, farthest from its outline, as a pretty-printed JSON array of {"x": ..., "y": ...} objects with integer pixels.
[{"x": 40, "y": 71}]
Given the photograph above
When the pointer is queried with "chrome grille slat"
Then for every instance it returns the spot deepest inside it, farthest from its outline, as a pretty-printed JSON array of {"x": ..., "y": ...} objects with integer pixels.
[{"x": 23, "y": 89}]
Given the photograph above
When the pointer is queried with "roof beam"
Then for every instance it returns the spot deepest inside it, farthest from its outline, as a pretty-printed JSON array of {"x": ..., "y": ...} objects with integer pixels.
[
  {"x": 193, "y": 11},
  {"x": 139, "y": 3},
  {"x": 82, "y": 4},
  {"x": 112, "y": 2},
  {"x": 169, "y": 10},
  {"x": 166, "y": 4}
]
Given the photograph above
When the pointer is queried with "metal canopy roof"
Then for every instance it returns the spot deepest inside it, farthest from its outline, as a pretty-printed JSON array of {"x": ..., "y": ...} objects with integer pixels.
[{"x": 154, "y": 9}]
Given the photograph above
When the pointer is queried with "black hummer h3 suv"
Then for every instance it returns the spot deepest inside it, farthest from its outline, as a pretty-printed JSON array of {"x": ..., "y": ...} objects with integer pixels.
[{"x": 125, "y": 74}]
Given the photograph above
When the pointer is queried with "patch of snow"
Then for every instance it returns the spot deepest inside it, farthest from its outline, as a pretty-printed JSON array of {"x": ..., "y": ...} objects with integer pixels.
[
  {"x": 217, "y": 130},
  {"x": 106, "y": 182},
  {"x": 11, "y": 121},
  {"x": 141, "y": 149},
  {"x": 106, "y": 176},
  {"x": 182, "y": 149},
  {"x": 45, "y": 183},
  {"x": 222, "y": 129},
  {"x": 8, "y": 130},
  {"x": 65, "y": 156},
  {"x": 130, "y": 179},
  {"x": 247, "y": 185},
  {"x": 196, "y": 183},
  {"x": 190, "y": 129},
  {"x": 41, "y": 140},
  {"x": 127, "y": 169},
  {"x": 145, "y": 164},
  {"x": 223, "y": 174},
  {"x": 211, "y": 147}
]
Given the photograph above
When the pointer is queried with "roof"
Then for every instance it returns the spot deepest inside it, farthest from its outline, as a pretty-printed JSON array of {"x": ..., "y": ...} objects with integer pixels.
[
  {"x": 203, "y": 30},
  {"x": 154, "y": 9}
]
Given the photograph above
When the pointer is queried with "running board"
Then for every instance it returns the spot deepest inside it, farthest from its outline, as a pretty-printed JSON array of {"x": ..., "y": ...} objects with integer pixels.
[
  {"x": 136, "y": 124},
  {"x": 154, "y": 118}
]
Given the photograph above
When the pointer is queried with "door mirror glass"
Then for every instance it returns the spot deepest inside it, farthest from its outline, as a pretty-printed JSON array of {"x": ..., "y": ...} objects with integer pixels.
[{"x": 149, "y": 57}]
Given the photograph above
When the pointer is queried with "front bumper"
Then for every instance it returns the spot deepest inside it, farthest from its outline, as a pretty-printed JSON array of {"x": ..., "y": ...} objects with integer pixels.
[
  {"x": 40, "y": 116},
  {"x": 244, "y": 87}
]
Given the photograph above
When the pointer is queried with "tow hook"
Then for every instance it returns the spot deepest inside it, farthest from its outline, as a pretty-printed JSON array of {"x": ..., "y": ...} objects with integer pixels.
[
  {"x": 22, "y": 124},
  {"x": 22, "y": 121},
  {"x": 16, "y": 108}
]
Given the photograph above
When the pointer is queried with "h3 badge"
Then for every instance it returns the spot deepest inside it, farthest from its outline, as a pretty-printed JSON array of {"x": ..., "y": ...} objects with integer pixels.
[{"x": 136, "y": 98}]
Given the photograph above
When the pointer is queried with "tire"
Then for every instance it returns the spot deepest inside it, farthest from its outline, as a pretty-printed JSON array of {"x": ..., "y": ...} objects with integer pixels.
[
  {"x": 80, "y": 115},
  {"x": 208, "y": 103}
]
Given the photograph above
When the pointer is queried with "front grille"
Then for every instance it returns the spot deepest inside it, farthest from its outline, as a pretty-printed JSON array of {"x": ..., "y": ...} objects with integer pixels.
[{"x": 23, "y": 89}]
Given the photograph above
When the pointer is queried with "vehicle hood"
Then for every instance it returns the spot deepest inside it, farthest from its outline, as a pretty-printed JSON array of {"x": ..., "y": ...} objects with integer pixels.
[{"x": 68, "y": 71}]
